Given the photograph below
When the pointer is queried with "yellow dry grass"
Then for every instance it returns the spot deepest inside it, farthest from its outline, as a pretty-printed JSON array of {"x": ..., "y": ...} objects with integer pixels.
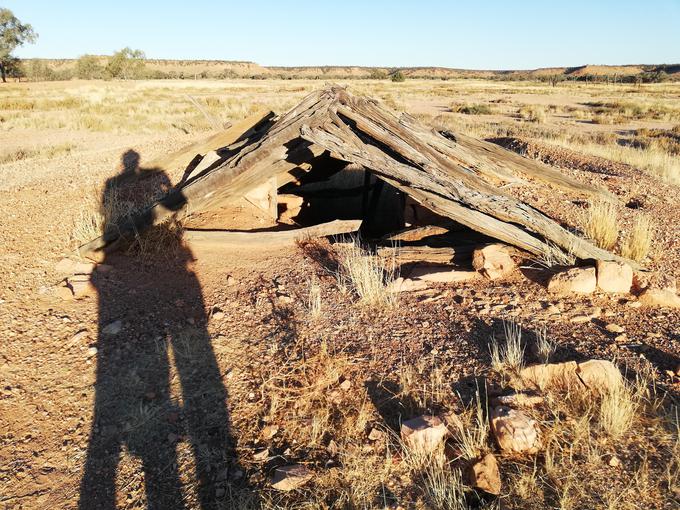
[
  {"x": 601, "y": 224},
  {"x": 637, "y": 244}
]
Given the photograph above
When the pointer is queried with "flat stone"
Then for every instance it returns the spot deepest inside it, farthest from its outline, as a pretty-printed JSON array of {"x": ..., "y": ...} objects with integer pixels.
[
  {"x": 113, "y": 328},
  {"x": 599, "y": 375},
  {"x": 551, "y": 375},
  {"x": 614, "y": 276},
  {"x": 578, "y": 280},
  {"x": 441, "y": 274},
  {"x": 288, "y": 478},
  {"x": 614, "y": 328},
  {"x": 407, "y": 285}
]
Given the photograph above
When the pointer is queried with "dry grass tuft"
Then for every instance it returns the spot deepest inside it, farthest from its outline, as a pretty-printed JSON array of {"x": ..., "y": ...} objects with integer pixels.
[
  {"x": 471, "y": 431},
  {"x": 509, "y": 357},
  {"x": 636, "y": 246},
  {"x": 545, "y": 347},
  {"x": 364, "y": 274},
  {"x": 601, "y": 224},
  {"x": 617, "y": 410},
  {"x": 314, "y": 298}
]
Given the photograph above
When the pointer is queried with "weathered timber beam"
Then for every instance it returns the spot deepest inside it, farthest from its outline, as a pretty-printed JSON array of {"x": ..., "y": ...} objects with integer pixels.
[{"x": 270, "y": 238}]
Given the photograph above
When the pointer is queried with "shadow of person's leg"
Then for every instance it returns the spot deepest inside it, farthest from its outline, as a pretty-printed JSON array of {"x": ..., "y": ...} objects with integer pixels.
[
  {"x": 98, "y": 485},
  {"x": 161, "y": 479},
  {"x": 205, "y": 400}
]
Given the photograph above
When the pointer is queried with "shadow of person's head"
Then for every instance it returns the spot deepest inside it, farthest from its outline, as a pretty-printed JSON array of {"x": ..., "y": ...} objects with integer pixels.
[{"x": 130, "y": 161}]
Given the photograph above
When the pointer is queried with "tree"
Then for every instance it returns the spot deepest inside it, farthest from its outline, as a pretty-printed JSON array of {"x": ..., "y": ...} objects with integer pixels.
[
  {"x": 13, "y": 33},
  {"x": 89, "y": 68},
  {"x": 126, "y": 64}
]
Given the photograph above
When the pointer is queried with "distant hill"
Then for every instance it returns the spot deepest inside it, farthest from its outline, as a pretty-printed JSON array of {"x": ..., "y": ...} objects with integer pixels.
[{"x": 155, "y": 68}]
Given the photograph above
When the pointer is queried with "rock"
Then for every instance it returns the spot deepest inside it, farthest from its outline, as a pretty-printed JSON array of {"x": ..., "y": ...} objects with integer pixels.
[
  {"x": 664, "y": 298},
  {"x": 514, "y": 430},
  {"x": 285, "y": 299},
  {"x": 599, "y": 375},
  {"x": 677, "y": 370},
  {"x": 484, "y": 474},
  {"x": 82, "y": 286},
  {"x": 79, "y": 336},
  {"x": 64, "y": 266},
  {"x": 113, "y": 328},
  {"x": 614, "y": 328},
  {"x": 345, "y": 385},
  {"x": 218, "y": 315},
  {"x": 63, "y": 292},
  {"x": 613, "y": 461},
  {"x": 68, "y": 266},
  {"x": 493, "y": 261},
  {"x": 578, "y": 280},
  {"x": 407, "y": 285},
  {"x": 518, "y": 400},
  {"x": 614, "y": 276},
  {"x": 270, "y": 431},
  {"x": 580, "y": 319},
  {"x": 261, "y": 455},
  {"x": 440, "y": 274},
  {"x": 551, "y": 375},
  {"x": 91, "y": 351},
  {"x": 424, "y": 433},
  {"x": 288, "y": 478},
  {"x": 375, "y": 434}
]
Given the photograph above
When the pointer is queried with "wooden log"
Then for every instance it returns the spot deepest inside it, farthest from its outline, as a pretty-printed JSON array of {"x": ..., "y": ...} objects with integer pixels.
[
  {"x": 415, "y": 234},
  {"x": 270, "y": 238},
  {"x": 237, "y": 131},
  {"x": 409, "y": 254}
]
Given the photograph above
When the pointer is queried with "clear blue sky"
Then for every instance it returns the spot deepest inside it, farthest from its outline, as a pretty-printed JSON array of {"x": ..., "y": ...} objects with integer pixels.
[{"x": 465, "y": 34}]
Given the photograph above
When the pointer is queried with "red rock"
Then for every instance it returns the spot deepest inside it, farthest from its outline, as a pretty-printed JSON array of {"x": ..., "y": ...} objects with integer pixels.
[
  {"x": 578, "y": 280},
  {"x": 614, "y": 276},
  {"x": 493, "y": 261},
  {"x": 484, "y": 474}
]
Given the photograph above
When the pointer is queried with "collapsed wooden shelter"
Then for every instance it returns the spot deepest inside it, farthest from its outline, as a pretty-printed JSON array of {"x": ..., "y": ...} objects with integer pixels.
[{"x": 457, "y": 177}]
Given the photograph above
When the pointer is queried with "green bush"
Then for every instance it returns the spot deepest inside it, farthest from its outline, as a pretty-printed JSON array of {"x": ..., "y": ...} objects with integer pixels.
[
  {"x": 398, "y": 77},
  {"x": 89, "y": 68}
]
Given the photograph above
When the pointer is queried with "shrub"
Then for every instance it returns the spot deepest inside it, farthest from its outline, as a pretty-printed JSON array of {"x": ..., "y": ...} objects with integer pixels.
[
  {"x": 89, "y": 68},
  {"x": 473, "y": 109},
  {"x": 533, "y": 113},
  {"x": 398, "y": 77},
  {"x": 126, "y": 64}
]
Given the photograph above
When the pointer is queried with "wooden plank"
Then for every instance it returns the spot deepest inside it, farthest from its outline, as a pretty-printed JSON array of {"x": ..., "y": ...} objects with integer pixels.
[{"x": 270, "y": 238}]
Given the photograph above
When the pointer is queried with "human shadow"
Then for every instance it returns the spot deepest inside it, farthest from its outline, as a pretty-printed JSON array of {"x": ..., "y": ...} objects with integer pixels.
[{"x": 159, "y": 393}]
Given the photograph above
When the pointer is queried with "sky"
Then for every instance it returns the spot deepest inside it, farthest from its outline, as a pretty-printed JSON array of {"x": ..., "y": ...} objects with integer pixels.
[{"x": 461, "y": 34}]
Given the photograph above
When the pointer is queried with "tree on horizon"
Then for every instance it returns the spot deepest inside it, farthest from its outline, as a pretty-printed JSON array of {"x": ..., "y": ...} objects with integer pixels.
[{"x": 13, "y": 33}]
